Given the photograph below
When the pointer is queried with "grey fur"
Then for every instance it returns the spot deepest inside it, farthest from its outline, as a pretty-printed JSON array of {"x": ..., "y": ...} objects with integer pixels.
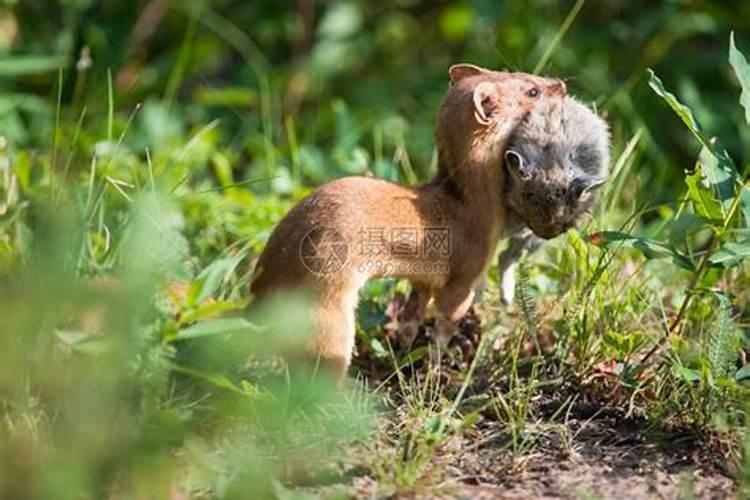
[{"x": 564, "y": 158}]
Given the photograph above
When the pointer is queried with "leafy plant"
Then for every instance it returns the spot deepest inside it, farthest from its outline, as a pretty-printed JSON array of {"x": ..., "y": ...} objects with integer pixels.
[{"x": 718, "y": 196}]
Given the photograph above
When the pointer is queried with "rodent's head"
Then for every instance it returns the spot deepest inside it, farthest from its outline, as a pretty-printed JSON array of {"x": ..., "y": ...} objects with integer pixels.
[
  {"x": 556, "y": 161},
  {"x": 482, "y": 108}
]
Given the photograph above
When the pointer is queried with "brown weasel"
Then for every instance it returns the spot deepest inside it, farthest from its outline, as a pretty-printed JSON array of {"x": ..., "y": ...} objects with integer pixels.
[
  {"x": 555, "y": 161},
  {"x": 439, "y": 235}
]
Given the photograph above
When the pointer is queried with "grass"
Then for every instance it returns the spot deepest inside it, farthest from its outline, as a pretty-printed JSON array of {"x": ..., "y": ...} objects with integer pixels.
[{"x": 105, "y": 363}]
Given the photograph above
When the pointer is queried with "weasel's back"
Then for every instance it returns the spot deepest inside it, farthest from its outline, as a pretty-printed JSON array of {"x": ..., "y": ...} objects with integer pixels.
[{"x": 317, "y": 239}]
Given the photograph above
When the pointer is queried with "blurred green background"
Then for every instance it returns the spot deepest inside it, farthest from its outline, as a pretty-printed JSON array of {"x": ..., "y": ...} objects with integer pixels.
[{"x": 357, "y": 81}]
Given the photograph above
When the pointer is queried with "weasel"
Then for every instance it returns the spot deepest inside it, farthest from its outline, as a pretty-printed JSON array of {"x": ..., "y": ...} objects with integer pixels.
[
  {"x": 557, "y": 159},
  {"x": 440, "y": 235}
]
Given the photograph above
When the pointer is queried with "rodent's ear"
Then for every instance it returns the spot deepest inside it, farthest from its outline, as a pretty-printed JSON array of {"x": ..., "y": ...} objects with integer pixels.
[
  {"x": 586, "y": 186},
  {"x": 517, "y": 165},
  {"x": 486, "y": 102},
  {"x": 458, "y": 72}
]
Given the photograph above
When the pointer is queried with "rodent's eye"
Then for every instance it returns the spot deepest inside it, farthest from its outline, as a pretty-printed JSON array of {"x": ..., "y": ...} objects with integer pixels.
[{"x": 533, "y": 92}]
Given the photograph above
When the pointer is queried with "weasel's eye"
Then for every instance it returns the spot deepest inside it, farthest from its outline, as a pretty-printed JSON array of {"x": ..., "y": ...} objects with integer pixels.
[{"x": 533, "y": 92}]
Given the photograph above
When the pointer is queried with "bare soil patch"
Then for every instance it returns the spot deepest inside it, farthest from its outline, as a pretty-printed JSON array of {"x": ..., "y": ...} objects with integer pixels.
[{"x": 578, "y": 445}]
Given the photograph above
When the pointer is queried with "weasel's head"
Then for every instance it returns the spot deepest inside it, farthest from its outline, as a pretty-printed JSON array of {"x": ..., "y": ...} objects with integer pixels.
[
  {"x": 482, "y": 108},
  {"x": 556, "y": 161}
]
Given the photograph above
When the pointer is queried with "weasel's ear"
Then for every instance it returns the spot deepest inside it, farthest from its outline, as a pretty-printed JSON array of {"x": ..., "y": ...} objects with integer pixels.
[
  {"x": 458, "y": 72},
  {"x": 517, "y": 165},
  {"x": 486, "y": 102}
]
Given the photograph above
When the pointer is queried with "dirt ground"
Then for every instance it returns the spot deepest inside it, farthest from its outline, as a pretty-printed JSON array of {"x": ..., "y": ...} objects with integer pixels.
[
  {"x": 588, "y": 449},
  {"x": 605, "y": 457}
]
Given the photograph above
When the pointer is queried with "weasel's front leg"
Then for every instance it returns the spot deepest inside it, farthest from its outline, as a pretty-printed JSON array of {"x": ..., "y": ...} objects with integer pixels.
[
  {"x": 412, "y": 314},
  {"x": 452, "y": 303}
]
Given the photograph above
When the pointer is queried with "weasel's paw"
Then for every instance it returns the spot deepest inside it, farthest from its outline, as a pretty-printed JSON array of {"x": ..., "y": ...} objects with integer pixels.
[
  {"x": 407, "y": 333},
  {"x": 442, "y": 333},
  {"x": 436, "y": 355}
]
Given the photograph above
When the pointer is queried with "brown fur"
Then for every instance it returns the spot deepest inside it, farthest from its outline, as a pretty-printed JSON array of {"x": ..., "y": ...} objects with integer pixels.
[{"x": 330, "y": 240}]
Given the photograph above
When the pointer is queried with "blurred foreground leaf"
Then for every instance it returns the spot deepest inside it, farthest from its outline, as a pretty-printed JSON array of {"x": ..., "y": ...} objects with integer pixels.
[
  {"x": 217, "y": 327},
  {"x": 28, "y": 65}
]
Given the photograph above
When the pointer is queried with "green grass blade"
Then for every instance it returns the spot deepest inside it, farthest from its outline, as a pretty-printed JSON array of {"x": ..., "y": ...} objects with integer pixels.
[
  {"x": 110, "y": 105},
  {"x": 178, "y": 73},
  {"x": 564, "y": 27},
  {"x": 56, "y": 132}
]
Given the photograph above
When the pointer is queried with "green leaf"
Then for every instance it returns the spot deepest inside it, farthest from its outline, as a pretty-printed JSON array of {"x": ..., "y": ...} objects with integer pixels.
[
  {"x": 723, "y": 342},
  {"x": 226, "y": 96},
  {"x": 471, "y": 420},
  {"x": 614, "y": 341},
  {"x": 685, "y": 113},
  {"x": 204, "y": 311},
  {"x": 222, "y": 381},
  {"x": 213, "y": 276},
  {"x": 722, "y": 159},
  {"x": 686, "y": 374},
  {"x": 623, "y": 345},
  {"x": 742, "y": 70},
  {"x": 651, "y": 249},
  {"x": 377, "y": 349},
  {"x": 217, "y": 327},
  {"x": 731, "y": 254},
  {"x": 721, "y": 176},
  {"x": 745, "y": 203},
  {"x": 743, "y": 373},
  {"x": 413, "y": 356},
  {"x": 682, "y": 227},
  {"x": 705, "y": 204}
]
